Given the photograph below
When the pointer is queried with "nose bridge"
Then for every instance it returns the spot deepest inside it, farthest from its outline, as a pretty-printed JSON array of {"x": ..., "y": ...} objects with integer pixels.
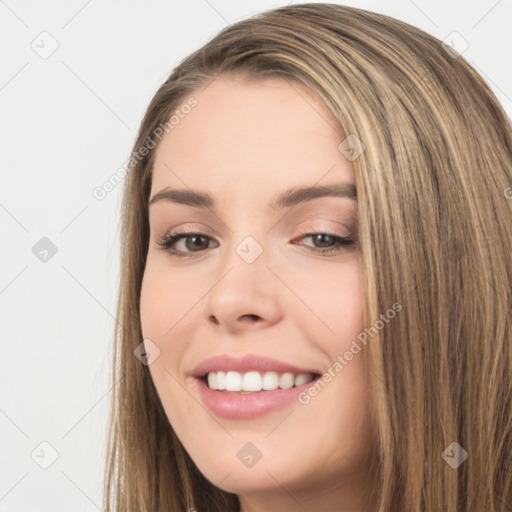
[
  {"x": 243, "y": 288},
  {"x": 242, "y": 269},
  {"x": 247, "y": 242}
]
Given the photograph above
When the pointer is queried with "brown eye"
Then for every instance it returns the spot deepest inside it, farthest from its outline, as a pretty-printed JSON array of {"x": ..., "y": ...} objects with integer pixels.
[{"x": 194, "y": 243}]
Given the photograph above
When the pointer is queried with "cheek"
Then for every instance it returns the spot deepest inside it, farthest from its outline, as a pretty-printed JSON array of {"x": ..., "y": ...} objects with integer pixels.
[
  {"x": 163, "y": 314},
  {"x": 330, "y": 302},
  {"x": 165, "y": 300}
]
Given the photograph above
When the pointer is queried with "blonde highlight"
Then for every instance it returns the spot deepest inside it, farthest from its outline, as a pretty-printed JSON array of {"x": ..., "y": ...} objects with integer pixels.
[{"x": 436, "y": 237}]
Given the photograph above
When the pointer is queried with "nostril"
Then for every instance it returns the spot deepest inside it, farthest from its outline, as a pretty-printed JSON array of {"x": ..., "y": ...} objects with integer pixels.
[
  {"x": 250, "y": 316},
  {"x": 214, "y": 320}
]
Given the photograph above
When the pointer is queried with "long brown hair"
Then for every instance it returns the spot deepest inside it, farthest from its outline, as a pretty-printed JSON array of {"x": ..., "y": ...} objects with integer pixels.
[{"x": 436, "y": 237}]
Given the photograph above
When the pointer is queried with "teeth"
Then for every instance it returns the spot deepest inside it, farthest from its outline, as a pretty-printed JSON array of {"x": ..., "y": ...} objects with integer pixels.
[
  {"x": 301, "y": 379},
  {"x": 233, "y": 381},
  {"x": 221, "y": 380},
  {"x": 254, "y": 381},
  {"x": 270, "y": 381},
  {"x": 286, "y": 381},
  {"x": 212, "y": 380}
]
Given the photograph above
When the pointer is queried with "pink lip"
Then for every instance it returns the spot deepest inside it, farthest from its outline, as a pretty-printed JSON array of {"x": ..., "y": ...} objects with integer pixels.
[
  {"x": 239, "y": 405},
  {"x": 247, "y": 363}
]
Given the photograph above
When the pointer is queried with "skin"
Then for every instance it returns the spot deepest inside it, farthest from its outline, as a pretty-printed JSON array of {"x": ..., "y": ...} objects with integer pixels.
[{"x": 243, "y": 144}]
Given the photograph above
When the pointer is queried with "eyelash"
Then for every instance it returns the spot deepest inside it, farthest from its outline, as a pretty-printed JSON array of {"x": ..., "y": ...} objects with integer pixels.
[{"x": 169, "y": 240}]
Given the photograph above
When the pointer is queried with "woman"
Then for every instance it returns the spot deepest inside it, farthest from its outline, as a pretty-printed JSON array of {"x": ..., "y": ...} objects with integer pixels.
[{"x": 316, "y": 293}]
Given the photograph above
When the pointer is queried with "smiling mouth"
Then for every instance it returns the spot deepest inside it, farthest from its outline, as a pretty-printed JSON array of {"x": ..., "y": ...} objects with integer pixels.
[{"x": 255, "y": 381}]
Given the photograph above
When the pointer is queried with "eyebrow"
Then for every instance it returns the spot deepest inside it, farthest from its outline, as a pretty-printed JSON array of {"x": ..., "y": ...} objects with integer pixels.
[{"x": 290, "y": 197}]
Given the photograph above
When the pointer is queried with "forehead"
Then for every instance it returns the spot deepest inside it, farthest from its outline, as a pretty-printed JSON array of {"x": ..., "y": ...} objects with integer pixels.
[{"x": 264, "y": 134}]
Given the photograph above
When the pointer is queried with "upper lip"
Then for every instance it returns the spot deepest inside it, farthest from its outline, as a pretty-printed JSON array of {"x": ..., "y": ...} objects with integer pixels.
[{"x": 247, "y": 363}]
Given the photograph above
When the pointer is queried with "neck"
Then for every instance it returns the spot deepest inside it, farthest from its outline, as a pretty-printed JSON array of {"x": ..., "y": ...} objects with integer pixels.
[{"x": 353, "y": 495}]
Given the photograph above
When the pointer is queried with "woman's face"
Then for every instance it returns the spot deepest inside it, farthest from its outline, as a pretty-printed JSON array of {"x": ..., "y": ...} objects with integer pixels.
[{"x": 255, "y": 292}]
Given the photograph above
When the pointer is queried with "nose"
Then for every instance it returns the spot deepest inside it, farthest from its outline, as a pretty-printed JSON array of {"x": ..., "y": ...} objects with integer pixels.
[{"x": 245, "y": 296}]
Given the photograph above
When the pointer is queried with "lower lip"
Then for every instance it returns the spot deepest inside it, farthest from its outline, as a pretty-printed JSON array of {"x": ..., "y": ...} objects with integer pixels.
[{"x": 237, "y": 406}]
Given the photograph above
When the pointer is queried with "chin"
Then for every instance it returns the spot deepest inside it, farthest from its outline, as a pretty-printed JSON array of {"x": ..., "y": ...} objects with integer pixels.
[{"x": 238, "y": 479}]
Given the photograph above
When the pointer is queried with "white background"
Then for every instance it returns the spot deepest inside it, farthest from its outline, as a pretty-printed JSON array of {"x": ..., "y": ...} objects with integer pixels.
[{"x": 67, "y": 124}]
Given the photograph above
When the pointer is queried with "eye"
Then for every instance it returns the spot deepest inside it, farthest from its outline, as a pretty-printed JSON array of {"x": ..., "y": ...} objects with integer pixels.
[
  {"x": 193, "y": 241},
  {"x": 328, "y": 242},
  {"x": 197, "y": 242}
]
